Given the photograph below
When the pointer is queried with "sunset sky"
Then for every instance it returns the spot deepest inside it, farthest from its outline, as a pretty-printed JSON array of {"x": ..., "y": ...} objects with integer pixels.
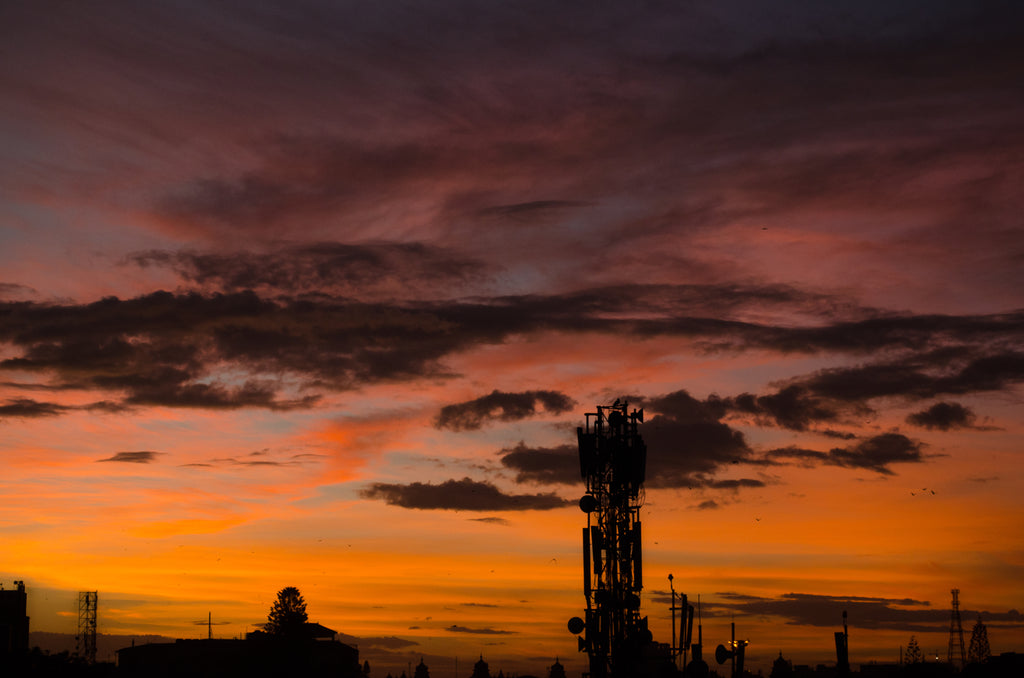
[{"x": 315, "y": 293}]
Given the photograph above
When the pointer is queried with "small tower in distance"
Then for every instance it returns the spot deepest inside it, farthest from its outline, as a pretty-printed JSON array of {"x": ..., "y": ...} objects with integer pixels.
[
  {"x": 87, "y": 602},
  {"x": 956, "y": 654}
]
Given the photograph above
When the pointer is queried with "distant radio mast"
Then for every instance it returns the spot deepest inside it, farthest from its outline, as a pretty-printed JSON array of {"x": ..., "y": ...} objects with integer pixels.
[
  {"x": 956, "y": 633},
  {"x": 87, "y": 602}
]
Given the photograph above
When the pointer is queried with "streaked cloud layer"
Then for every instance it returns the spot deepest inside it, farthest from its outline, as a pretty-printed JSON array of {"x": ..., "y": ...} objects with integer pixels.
[{"x": 326, "y": 287}]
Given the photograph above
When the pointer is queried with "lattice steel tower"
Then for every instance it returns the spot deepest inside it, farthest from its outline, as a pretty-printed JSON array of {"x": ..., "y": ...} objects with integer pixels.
[
  {"x": 613, "y": 460},
  {"x": 956, "y": 633},
  {"x": 87, "y": 602}
]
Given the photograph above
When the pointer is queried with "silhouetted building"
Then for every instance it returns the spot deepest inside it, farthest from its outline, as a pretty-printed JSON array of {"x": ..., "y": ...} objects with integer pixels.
[
  {"x": 556, "y": 670},
  {"x": 258, "y": 656},
  {"x": 13, "y": 622},
  {"x": 481, "y": 669},
  {"x": 1005, "y": 665},
  {"x": 421, "y": 670},
  {"x": 320, "y": 632},
  {"x": 781, "y": 668}
]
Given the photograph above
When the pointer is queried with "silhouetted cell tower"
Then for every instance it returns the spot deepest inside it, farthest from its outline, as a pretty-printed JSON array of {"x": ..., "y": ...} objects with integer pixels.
[
  {"x": 956, "y": 633},
  {"x": 612, "y": 461},
  {"x": 87, "y": 602}
]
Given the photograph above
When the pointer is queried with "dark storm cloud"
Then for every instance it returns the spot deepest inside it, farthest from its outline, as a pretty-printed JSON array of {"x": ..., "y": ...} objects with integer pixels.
[
  {"x": 383, "y": 267},
  {"x": 28, "y": 408},
  {"x": 501, "y": 406},
  {"x": 486, "y": 631},
  {"x": 141, "y": 457},
  {"x": 544, "y": 465},
  {"x": 943, "y": 417},
  {"x": 460, "y": 495},
  {"x": 877, "y": 453},
  {"x": 903, "y": 614}
]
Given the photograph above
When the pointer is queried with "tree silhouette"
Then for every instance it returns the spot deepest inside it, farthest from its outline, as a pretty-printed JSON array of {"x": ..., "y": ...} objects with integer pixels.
[
  {"x": 914, "y": 655},
  {"x": 979, "y": 651},
  {"x": 287, "y": 618}
]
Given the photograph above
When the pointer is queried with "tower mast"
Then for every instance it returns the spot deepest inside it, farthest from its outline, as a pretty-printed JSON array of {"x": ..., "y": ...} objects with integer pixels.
[
  {"x": 956, "y": 633},
  {"x": 613, "y": 460}
]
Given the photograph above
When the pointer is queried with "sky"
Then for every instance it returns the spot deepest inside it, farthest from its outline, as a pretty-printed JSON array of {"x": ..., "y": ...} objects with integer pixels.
[{"x": 315, "y": 294}]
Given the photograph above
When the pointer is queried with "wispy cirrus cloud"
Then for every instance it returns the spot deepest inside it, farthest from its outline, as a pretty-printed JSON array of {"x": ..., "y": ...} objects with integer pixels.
[
  {"x": 904, "y": 614},
  {"x": 877, "y": 453},
  {"x": 29, "y": 408},
  {"x": 139, "y": 457},
  {"x": 366, "y": 270},
  {"x": 485, "y": 631}
]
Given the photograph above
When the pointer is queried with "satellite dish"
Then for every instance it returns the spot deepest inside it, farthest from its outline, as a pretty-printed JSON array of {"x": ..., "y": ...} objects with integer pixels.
[
  {"x": 721, "y": 654},
  {"x": 588, "y": 503},
  {"x": 577, "y": 625}
]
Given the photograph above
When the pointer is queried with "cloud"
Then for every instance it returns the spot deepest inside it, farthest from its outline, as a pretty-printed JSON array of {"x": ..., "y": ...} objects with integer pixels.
[
  {"x": 141, "y": 457},
  {"x": 943, "y": 416},
  {"x": 501, "y": 406},
  {"x": 370, "y": 270},
  {"x": 483, "y": 632},
  {"x": 686, "y": 445},
  {"x": 904, "y": 614},
  {"x": 686, "y": 442},
  {"x": 791, "y": 407},
  {"x": 874, "y": 454},
  {"x": 260, "y": 458},
  {"x": 460, "y": 495},
  {"x": 493, "y": 520},
  {"x": 544, "y": 465},
  {"x": 216, "y": 397},
  {"x": 241, "y": 349},
  {"x": 14, "y": 290},
  {"x": 28, "y": 408},
  {"x": 531, "y": 210},
  {"x": 921, "y": 375}
]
